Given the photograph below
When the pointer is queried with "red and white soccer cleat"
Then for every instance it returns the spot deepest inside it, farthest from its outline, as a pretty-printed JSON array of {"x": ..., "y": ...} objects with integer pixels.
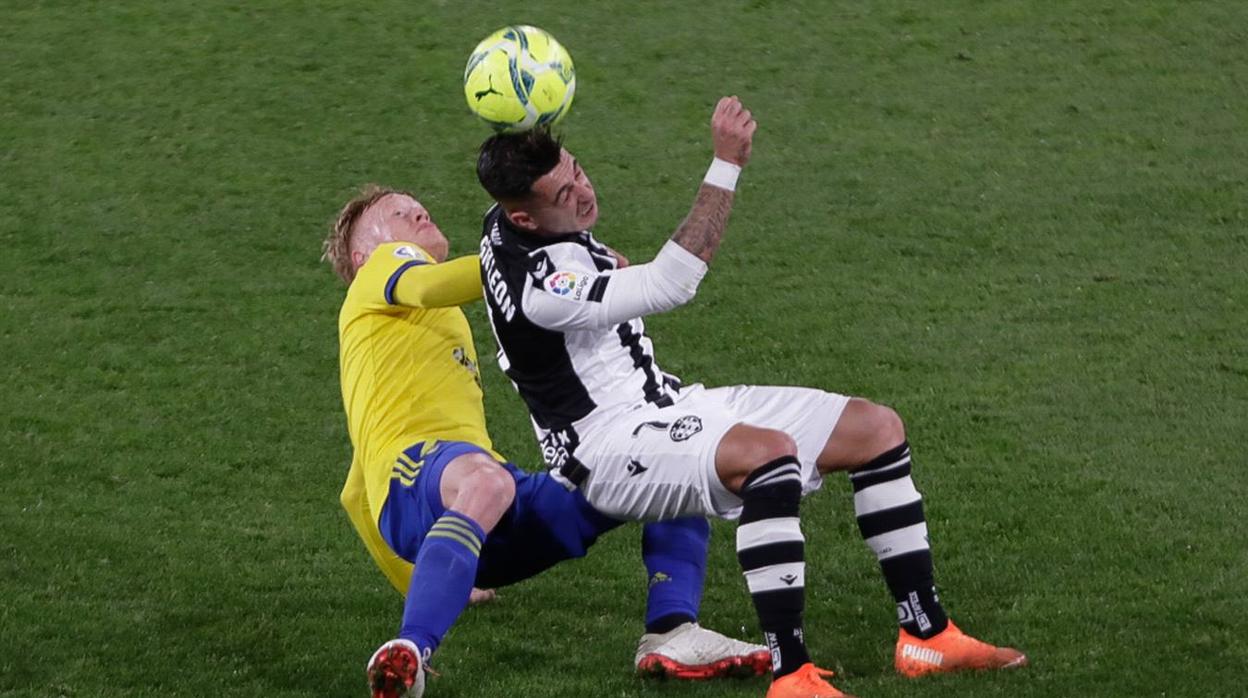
[
  {"x": 396, "y": 671},
  {"x": 951, "y": 650},
  {"x": 690, "y": 651},
  {"x": 806, "y": 682}
]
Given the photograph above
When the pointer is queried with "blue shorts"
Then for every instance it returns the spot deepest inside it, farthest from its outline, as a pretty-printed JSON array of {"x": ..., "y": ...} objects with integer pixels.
[{"x": 546, "y": 524}]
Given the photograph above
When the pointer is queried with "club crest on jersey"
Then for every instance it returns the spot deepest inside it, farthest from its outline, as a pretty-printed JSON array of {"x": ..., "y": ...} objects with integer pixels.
[
  {"x": 567, "y": 284},
  {"x": 461, "y": 357},
  {"x": 685, "y": 427},
  {"x": 409, "y": 252}
]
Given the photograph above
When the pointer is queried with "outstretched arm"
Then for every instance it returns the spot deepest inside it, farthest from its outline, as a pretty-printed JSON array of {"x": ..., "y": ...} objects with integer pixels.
[
  {"x": 402, "y": 275},
  {"x": 399, "y": 275},
  {"x": 439, "y": 285}
]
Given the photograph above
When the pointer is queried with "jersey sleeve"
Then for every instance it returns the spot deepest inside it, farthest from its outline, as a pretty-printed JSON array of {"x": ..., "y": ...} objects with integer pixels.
[
  {"x": 406, "y": 276},
  {"x": 565, "y": 291}
]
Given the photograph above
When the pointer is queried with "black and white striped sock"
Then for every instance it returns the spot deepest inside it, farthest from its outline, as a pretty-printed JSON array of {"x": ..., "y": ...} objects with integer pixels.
[
  {"x": 772, "y": 553},
  {"x": 890, "y": 517}
]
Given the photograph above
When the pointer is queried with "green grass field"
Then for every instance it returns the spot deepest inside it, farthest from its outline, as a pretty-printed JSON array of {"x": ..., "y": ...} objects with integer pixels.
[{"x": 1023, "y": 225}]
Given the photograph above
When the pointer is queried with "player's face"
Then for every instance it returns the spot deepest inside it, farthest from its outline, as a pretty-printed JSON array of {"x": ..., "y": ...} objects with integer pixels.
[
  {"x": 563, "y": 199},
  {"x": 400, "y": 218}
]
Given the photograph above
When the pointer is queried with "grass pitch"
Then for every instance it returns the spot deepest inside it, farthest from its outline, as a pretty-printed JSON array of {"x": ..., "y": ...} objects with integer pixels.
[{"x": 1020, "y": 224}]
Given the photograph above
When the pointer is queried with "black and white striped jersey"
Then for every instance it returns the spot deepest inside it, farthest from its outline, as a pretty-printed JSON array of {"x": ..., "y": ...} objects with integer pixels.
[{"x": 568, "y": 324}]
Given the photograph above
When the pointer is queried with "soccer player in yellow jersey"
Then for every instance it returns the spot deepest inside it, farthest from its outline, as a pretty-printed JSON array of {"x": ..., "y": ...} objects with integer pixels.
[{"x": 438, "y": 509}]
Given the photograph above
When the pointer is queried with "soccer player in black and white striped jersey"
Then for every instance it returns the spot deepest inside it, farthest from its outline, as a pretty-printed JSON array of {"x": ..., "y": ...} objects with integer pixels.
[{"x": 566, "y": 311}]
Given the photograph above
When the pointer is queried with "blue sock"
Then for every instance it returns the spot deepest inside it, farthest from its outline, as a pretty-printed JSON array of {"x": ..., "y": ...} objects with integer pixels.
[
  {"x": 675, "y": 556},
  {"x": 442, "y": 580}
]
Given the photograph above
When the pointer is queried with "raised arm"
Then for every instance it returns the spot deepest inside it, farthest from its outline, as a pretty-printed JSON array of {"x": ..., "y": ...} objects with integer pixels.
[
  {"x": 732, "y": 131},
  {"x": 577, "y": 297}
]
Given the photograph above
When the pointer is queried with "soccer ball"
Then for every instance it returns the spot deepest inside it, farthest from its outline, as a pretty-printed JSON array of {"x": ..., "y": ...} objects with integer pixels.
[{"x": 519, "y": 78}]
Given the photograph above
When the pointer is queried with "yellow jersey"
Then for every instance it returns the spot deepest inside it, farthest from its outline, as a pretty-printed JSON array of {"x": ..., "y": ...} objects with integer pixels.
[{"x": 409, "y": 374}]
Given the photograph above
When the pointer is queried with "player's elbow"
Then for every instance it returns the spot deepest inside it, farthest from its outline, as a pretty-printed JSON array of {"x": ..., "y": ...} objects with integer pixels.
[
  {"x": 680, "y": 294},
  {"x": 669, "y": 294},
  {"x": 669, "y": 289},
  {"x": 662, "y": 291},
  {"x": 676, "y": 274}
]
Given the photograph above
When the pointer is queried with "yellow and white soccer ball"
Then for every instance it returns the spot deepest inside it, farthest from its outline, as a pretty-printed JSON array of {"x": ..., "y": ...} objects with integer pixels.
[{"x": 519, "y": 78}]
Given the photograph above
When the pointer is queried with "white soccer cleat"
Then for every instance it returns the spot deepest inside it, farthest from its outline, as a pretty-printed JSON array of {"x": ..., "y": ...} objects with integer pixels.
[
  {"x": 396, "y": 671},
  {"x": 690, "y": 651}
]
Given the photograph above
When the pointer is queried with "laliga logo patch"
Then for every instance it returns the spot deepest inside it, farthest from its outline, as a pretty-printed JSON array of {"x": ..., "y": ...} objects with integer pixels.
[
  {"x": 409, "y": 252},
  {"x": 461, "y": 357},
  {"x": 565, "y": 284},
  {"x": 685, "y": 427}
]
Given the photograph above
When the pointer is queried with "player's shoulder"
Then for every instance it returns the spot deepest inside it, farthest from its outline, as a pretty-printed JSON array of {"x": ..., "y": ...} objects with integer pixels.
[
  {"x": 383, "y": 267},
  {"x": 570, "y": 250},
  {"x": 391, "y": 257},
  {"x": 399, "y": 253},
  {"x": 567, "y": 255}
]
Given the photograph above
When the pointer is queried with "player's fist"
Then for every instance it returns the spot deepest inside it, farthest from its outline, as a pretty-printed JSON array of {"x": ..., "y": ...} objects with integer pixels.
[{"x": 732, "y": 130}]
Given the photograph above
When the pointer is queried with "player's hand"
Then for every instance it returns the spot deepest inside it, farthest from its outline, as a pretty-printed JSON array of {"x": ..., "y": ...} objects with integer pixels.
[
  {"x": 480, "y": 596},
  {"x": 732, "y": 129}
]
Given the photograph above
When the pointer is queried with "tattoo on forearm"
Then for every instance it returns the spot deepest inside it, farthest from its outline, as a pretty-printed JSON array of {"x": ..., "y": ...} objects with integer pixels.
[{"x": 703, "y": 228}]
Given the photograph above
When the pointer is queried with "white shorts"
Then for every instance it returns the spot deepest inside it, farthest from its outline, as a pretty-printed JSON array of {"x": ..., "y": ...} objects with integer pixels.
[{"x": 650, "y": 463}]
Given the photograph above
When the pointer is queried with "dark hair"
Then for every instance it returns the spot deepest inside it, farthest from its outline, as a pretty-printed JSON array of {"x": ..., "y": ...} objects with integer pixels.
[{"x": 509, "y": 163}]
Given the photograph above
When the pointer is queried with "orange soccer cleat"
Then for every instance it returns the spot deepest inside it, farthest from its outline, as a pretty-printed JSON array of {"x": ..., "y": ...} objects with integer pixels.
[
  {"x": 806, "y": 682},
  {"x": 951, "y": 650}
]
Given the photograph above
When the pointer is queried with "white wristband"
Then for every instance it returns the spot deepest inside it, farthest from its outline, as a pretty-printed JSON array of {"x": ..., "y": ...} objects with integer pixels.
[{"x": 722, "y": 174}]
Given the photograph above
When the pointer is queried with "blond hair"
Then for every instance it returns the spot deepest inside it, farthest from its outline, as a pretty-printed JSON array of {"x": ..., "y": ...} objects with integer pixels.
[{"x": 337, "y": 246}]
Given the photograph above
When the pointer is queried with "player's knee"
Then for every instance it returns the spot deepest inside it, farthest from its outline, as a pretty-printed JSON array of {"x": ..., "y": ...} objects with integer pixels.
[
  {"x": 888, "y": 427},
  {"x": 479, "y": 488},
  {"x": 744, "y": 448},
  {"x": 865, "y": 431},
  {"x": 754, "y": 446},
  {"x": 773, "y": 444},
  {"x": 878, "y": 428},
  {"x": 493, "y": 483}
]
